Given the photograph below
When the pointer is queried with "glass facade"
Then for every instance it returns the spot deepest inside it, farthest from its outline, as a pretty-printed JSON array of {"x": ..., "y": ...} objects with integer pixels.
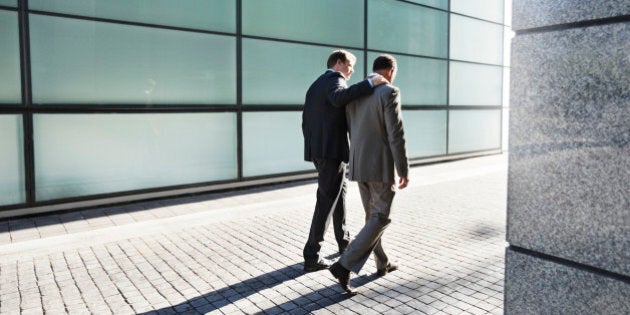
[
  {"x": 10, "y": 89},
  {"x": 422, "y": 80},
  {"x": 103, "y": 153},
  {"x": 475, "y": 84},
  {"x": 397, "y": 26},
  {"x": 323, "y": 21},
  {"x": 12, "y": 189},
  {"x": 263, "y": 60},
  {"x": 265, "y": 139},
  {"x": 105, "y": 98},
  {"x": 84, "y": 62},
  {"x": 214, "y": 15},
  {"x": 471, "y": 130},
  {"x": 11, "y": 3}
]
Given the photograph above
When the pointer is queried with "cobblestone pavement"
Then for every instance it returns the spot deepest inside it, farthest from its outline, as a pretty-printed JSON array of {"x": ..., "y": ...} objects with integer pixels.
[{"x": 240, "y": 252}]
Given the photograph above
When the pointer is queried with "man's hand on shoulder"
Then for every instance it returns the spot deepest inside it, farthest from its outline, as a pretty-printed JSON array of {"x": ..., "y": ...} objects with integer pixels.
[
  {"x": 378, "y": 80},
  {"x": 403, "y": 182}
]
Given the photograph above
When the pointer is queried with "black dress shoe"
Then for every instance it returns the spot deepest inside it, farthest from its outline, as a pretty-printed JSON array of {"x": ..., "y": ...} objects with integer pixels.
[
  {"x": 343, "y": 275},
  {"x": 315, "y": 266},
  {"x": 389, "y": 268}
]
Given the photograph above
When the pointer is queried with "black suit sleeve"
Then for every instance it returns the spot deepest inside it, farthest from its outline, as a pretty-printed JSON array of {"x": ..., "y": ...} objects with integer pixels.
[{"x": 339, "y": 94}]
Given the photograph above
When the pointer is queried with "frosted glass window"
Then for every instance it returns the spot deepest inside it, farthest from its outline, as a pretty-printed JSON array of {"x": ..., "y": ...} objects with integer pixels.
[
  {"x": 88, "y": 154},
  {"x": 442, "y": 4},
  {"x": 321, "y": 21},
  {"x": 12, "y": 189},
  {"x": 474, "y": 84},
  {"x": 425, "y": 132},
  {"x": 273, "y": 143},
  {"x": 407, "y": 28},
  {"x": 422, "y": 81},
  {"x": 280, "y": 73},
  {"x": 491, "y": 10},
  {"x": 474, "y": 130},
  {"x": 76, "y": 61},
  {"x": 475, "y": 40},
  {"x": 10, "y": 3},
  {"x": 213, "y": 15},
  {"x": 10, "y": 88}
]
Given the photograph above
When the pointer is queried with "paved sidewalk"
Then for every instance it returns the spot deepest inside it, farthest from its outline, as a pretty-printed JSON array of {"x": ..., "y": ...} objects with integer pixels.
[{"x": 240, "y": 252}]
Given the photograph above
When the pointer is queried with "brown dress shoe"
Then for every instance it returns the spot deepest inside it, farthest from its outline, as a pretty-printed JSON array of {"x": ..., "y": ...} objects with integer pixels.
[
  {"x": 343, "y": 275},
  {"x": 389, "y": 268}
]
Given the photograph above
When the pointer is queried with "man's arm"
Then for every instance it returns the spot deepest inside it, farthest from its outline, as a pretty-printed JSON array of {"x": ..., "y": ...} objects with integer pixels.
[
  {"x": 339, "y": 94},
  {"x": 396, "y": 136}
]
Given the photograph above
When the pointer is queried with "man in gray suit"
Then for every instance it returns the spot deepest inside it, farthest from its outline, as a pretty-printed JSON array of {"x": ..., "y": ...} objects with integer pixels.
[{"x": 377, "y": 146}]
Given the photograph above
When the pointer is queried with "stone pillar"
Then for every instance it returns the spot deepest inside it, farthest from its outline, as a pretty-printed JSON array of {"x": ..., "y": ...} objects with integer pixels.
[{"x": 569, "y": 166}]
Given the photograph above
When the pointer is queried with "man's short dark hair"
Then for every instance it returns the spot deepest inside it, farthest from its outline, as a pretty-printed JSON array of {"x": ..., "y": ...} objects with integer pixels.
[
  {"x": 384, "y": 62},
  {"x": 340, "y": 54}
]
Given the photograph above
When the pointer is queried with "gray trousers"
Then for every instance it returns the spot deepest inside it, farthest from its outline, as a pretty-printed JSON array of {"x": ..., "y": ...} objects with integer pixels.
[{"x": 377, "y": 201}]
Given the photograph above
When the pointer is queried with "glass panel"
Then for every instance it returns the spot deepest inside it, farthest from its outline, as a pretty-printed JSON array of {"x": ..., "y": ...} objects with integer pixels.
[
  {"x": 86, "y": 154},
  {"x": 422, "y": 81},
  {"x": 476, "y": 40},
  {"x": 214, "y": 15},
  {"x": 491, "y": 10},
  {"x": 321, "y": 21},
  {"x": 425, "y": 132},
  {"x": 442, "y": 4},
  {"x": 473, "y": 84},
  {"x": 10, "y": 88},
  {"x": 12, "y": 189},
  {"x": 474, "y": 130},
  {"x": 10, "y": 3},
  {"x": 262, "y": 61},
  {"x": 418, "y": 30},
  {"x": 76, "y": 61},
  {"x": 273, "y": 143}
]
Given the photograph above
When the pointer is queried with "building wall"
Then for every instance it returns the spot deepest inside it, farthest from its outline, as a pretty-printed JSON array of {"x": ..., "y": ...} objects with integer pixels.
[
  {"x": 103, "y": 99},
  {"x": 569, "y": 166}
]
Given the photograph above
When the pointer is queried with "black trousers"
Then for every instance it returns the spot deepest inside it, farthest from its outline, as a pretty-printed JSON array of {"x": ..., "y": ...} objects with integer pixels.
[{"x": 331, "y": 196}]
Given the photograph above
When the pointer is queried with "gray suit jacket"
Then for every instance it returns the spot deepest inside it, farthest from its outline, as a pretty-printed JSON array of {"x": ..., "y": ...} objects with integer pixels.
[{"x": 377, "y": 138}]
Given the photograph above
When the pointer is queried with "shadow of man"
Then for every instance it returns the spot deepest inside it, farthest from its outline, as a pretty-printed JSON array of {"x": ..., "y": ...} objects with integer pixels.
[{"x": 315, "y": 300}]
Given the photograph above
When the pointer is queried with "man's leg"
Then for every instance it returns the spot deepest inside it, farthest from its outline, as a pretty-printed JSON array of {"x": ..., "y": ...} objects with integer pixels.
[
  {"x": 384, "y": 195},
  {"x": 377, "y": 199},
  {"x": 328, "y": 191},
  {"x": 342, "y": 235}
]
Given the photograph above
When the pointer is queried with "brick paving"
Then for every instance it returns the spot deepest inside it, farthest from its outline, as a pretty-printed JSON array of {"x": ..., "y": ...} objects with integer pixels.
[{"x": 240, "y": 252}]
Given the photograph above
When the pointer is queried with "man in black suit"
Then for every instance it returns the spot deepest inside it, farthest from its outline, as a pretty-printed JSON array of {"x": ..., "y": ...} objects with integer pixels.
[{"x": 326, "y": 144}]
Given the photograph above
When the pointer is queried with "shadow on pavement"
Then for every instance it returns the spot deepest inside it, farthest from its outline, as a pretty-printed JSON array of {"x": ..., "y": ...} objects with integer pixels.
[{"x": 312, "y": 301}]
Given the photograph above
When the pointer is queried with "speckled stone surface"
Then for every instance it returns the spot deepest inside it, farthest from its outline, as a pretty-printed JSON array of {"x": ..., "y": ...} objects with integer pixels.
[
  {"x": 569, "y": 167},
  {"x": 537, "y": 13},
  {"x": 538, "y": 286}
]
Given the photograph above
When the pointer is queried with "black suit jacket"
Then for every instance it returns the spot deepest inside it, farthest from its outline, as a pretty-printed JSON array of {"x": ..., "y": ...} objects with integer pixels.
[{"x": 324, "y": 116}]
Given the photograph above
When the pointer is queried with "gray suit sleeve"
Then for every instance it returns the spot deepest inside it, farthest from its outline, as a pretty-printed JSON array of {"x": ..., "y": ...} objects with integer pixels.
[{"x": 396, "y": 133}]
